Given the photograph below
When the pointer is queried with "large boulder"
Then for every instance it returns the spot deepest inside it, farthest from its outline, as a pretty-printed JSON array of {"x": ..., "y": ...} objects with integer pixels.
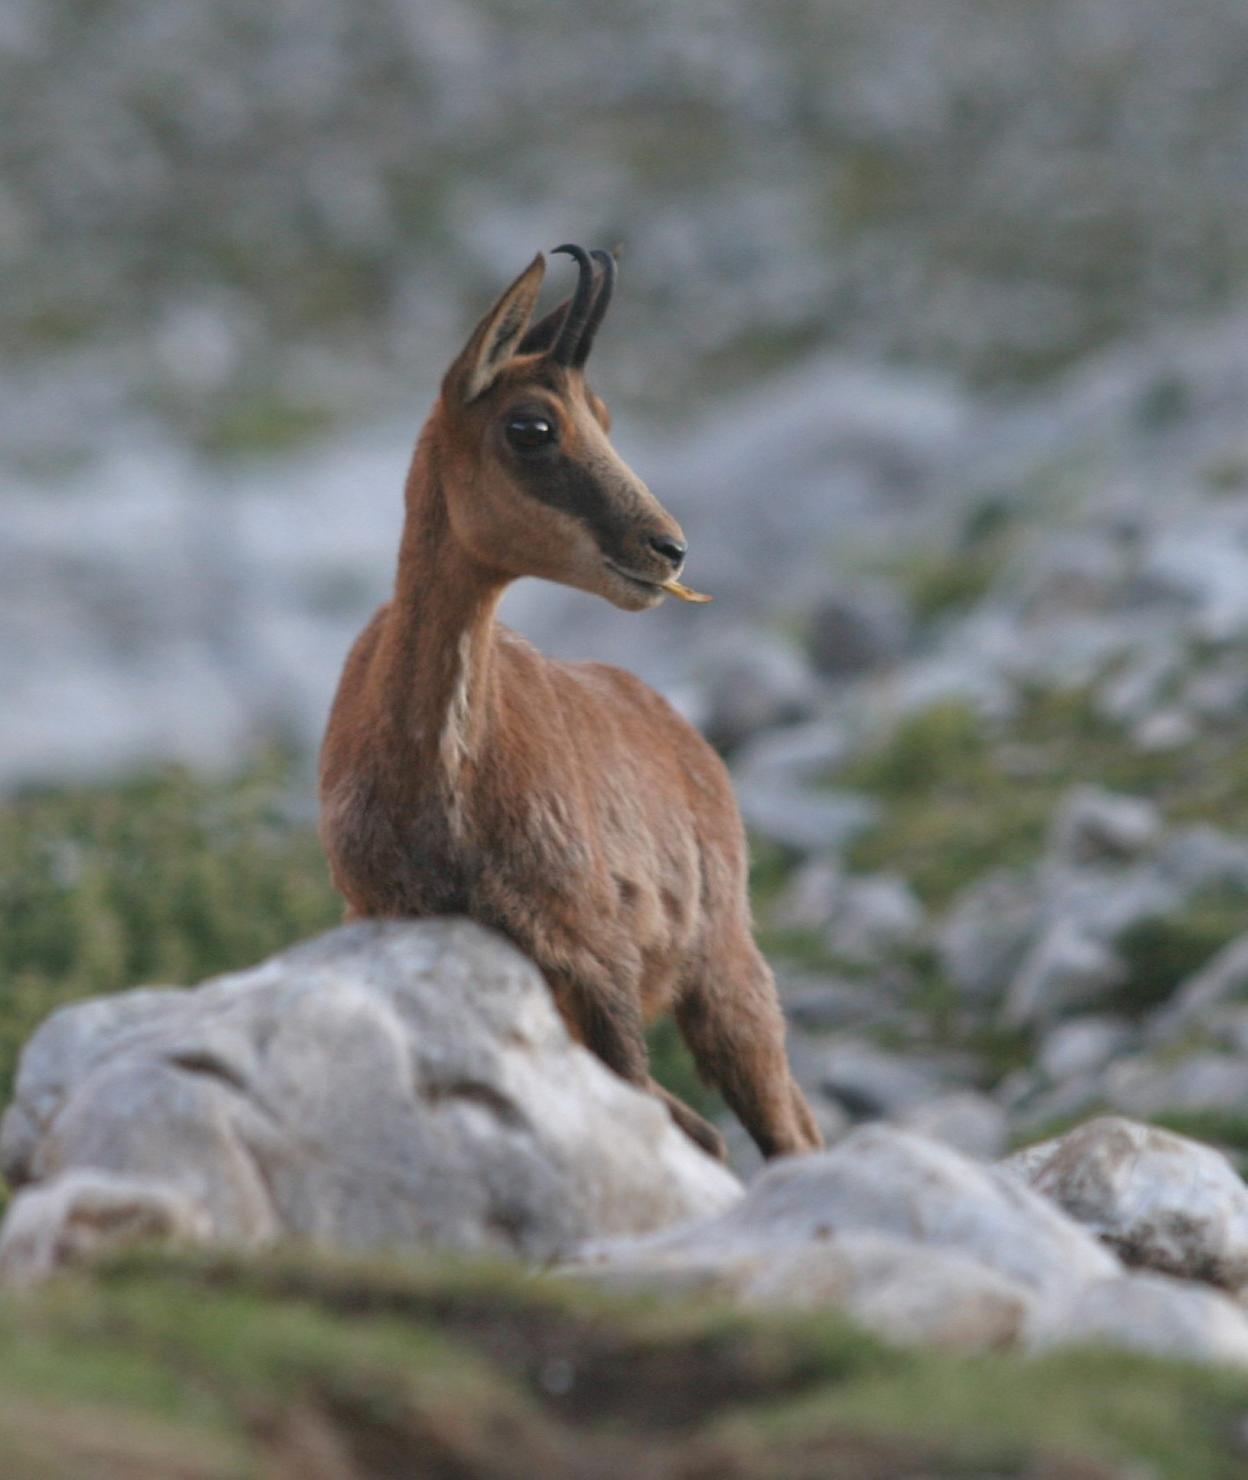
[
  {"x": 388, "y": 1085},
  {"x": 921, "y": 1244},
  {"x": 883, "y": 1182},
  {"x": 1159, "y": 1200}
]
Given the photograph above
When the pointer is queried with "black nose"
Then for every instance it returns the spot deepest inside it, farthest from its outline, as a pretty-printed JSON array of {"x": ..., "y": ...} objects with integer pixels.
[{"x": 670, "y": 549}]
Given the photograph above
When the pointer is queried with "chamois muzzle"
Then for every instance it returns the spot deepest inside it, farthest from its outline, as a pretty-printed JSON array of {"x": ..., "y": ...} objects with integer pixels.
[
  {"x": 587, "y": 308},
  {"x": 673, "y": 551}
]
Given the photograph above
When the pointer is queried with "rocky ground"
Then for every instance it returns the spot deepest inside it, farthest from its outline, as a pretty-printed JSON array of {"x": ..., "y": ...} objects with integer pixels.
[{"x": 405, "y": 1094}]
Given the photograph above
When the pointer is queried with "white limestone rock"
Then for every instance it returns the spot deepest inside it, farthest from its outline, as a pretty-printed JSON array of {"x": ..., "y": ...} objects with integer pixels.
[
  {"x": 83, "y": 1214},
  {"x": 388, "y": 1085},
  {"x": 899, "y": 1288},
  {"x": 1146, "y": 1313},
  {"x": 887, "y": 1182},
  {"x": 1160, "y": 1201},
  {"x": 1093, "y": 825}
]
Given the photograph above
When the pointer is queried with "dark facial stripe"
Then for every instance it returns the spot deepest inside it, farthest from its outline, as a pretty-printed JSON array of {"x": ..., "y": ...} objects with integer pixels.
[{"x": 563, "y": 483}]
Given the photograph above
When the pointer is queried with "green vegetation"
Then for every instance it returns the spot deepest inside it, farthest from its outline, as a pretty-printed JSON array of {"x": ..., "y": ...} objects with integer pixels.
[
  {"x": 1162, "y": 951},
  {"x": 952, "y": 810},
  {"x": 962, "y": 796},
  {"x": 944, "y": 580},
  {"x": 219, "y": 1366},
  {"x": 264, "y": 423},
  {"x": 161, "y": 879}
]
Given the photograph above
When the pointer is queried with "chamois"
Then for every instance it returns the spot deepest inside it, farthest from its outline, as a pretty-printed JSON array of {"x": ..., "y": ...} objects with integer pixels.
[{"x": 564, "y": 804}]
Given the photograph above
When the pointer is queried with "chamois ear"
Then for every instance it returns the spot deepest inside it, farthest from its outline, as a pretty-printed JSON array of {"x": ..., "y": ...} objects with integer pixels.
[
  {"x": 540, "y": 336},
  {"x": 497, "y": 337}
]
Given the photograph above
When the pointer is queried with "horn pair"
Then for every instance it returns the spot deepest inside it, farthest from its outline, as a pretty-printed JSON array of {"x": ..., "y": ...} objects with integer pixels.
[{"x": 588, "y": 305}]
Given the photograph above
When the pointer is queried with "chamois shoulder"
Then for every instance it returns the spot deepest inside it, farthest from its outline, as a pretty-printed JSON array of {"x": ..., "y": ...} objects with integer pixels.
[{"x": 628, "y": 712}]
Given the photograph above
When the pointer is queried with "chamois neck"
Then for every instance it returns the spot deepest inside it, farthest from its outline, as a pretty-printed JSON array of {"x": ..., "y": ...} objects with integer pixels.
[{"x": 438, "y": 650}]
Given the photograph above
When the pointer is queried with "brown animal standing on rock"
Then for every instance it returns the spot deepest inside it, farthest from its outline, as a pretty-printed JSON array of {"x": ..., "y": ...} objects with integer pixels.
[{"x": 564, "y": 804}]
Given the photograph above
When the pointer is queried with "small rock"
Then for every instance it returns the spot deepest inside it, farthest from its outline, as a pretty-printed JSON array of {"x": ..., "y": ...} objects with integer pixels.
[
  {"x": 1082, "y": 1045},
  {"x": 1132, "y": 695},
  {"x": 754, "y": 683},
  {"x": 1064, "y": 968},
  {"x": 875, "y": 916},
  {"x": 1203, "y": 1080},
  {"x": 986, "y": 933},
  {"x": 875, "y": 1084},
  {"x": 83, "y": 1214},
  {"x": 806, "y": 821},
  {"x": 856, "y": 630},
  {"x": 1220, "y": 692},
  {"x": 1067, "y": 1100},
  {"x": 795, "y": 755},
  {"x": 1168, "y": 729},
  {"x": 1196, "y": 857},
  {"x": 825, "y": 1003},
  {"x": 1159, "y": 1200},
  {"x": 971, "y": 1123},
  {"x": 1093, "y": 825},
  {"x": 1103, "y": 902},
  {"x": 811, "y": 897}
]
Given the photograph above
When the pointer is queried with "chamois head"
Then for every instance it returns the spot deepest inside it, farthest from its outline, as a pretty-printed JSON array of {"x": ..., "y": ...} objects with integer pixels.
[{"x": 535, "y": 487}]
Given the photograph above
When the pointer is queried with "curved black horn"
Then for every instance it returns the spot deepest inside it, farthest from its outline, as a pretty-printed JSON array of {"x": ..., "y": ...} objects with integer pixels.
[
  {"x": 564, "y": 349},
  {"x": 601, "y": 304}
]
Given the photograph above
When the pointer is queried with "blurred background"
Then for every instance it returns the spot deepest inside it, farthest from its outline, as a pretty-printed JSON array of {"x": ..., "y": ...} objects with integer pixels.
[{"x": 930, "y": 330}]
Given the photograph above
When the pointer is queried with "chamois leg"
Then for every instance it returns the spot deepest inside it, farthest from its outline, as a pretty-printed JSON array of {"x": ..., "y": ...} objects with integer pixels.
[
  {"x": 610, "y": 1024},
  {"x": 732, "y": 1022}
]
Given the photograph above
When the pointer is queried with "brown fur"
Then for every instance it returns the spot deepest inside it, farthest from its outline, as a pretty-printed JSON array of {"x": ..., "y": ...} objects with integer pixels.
[{"x": 564, "y": 804}]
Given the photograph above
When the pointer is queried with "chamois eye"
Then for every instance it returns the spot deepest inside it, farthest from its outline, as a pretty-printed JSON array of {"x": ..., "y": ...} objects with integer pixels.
[{"x": 529, "y": 432}]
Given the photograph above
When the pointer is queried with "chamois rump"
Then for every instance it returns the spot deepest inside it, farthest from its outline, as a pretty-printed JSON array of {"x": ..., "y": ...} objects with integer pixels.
[{"x": 566, "y": 805}]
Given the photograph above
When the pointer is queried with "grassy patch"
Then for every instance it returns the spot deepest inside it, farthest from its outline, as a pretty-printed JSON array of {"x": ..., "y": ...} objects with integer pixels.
[
  {"x": 951, "y": 811},
  {"x": 943, "y": 581},
  {"x": 1162, "y": 951},
  {"x": 961, "y": 796},
  {"x": 264, "y": 423},
  {"x": 446, "y": 1368},
  {"x": 160, "y": 879}
]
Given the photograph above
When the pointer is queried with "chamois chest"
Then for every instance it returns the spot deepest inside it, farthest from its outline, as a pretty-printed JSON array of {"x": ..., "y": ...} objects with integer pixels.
[{"x": 427, "y": 848}]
